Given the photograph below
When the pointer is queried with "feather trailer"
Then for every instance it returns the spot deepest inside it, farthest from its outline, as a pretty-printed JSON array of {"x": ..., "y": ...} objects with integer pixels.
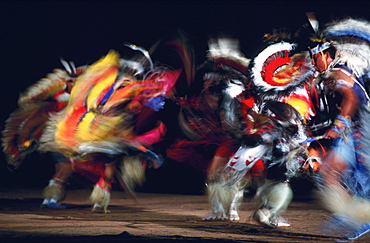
[
  {"x": 129, "y": 101},
  {"x": 301, "y": 101},
  {"x": 276, "y": 70},
  {"x": 355, "y": 56},
  {"x": 104, "y": 81},
  {"x": 125, "y": 94},
  {"x": 81, "y": 110},
  {"x": 157, "y": 84},
  {"x": 349, "y": 27},
  {"x": 95, "y": 79}
]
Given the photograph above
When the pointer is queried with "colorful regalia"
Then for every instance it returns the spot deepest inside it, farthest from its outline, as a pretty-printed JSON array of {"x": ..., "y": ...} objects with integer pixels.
[
  {"x": 104, "y": 116},
  {"x": 242, "y": 119},
  {"x": 276, "y": 127},
  {"x": 349, "y": 202}
]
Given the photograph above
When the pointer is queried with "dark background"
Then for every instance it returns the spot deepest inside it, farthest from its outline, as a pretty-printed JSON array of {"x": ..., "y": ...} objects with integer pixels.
[{"x": 36, "y": 34}]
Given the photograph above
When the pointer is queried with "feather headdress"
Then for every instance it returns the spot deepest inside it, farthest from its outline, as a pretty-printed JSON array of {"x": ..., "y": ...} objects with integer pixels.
[
  {"x": 351, "y": 38},
  {"x": 276, "y": 70},
  {"x": 348, "y": 27}
]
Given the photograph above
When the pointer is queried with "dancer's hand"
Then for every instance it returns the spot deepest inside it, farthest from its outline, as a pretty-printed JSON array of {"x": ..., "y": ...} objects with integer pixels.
[{"x": 331, "y": 134}]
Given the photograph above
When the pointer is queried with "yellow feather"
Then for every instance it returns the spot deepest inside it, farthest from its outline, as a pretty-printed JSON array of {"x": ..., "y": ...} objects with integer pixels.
[
  {"x": 61, "y": 129},
  {"x": 96, "y": 91},
  {"x": 75, "y": 126},
  {"x": 96, "y": 128},
  {"x": 107, "y": 68},
  {"x": 110, "y": 59},
  {"x": 83, "y": 133}
]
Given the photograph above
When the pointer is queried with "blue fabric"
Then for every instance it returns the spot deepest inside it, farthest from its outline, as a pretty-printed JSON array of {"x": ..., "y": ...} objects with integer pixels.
[
  {"x": 108, "y": 94},
  {"x": 357, "y": 177},
  {"x": 345, "y": 147},
  {"x": 350, "y": 147},
  {"x": 358, "y": 181},
  {"x": 156, "y": 103}
]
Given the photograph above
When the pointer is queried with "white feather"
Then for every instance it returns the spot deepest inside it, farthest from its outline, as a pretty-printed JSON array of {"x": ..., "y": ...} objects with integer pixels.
[
  {"x": 259, "y": 62},
  {"x": 355, "y": 56},
  {"x": 354, "y": 27},
  {"x": 226, "y": 48}
]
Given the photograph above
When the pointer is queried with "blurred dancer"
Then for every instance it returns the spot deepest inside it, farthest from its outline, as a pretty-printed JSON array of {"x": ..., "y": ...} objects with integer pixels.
[{"x": 342, "y": 59}]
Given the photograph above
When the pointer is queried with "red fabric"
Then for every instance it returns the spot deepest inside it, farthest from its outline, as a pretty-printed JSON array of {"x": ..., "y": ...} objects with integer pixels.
[
  {"x": 103, "y": 184},
  {"x": 247, "y": 104},
  {"x": 167, "y": 80},
  {"x": 92, "y": 169},
  {"x": 226, "y": 149},
  {"x": 258, "y": 169}
]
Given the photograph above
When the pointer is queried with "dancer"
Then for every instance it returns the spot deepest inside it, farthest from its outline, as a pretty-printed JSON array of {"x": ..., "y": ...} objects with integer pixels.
[
  {"x": 102, "y": 117},
  {"x": 111, "y": 112},
  {"x": 343, "y": 58},
  {"x": 280, "y": 76},
  {"x": 210, "y": 118},
  {"x": 235, "y": 112}
]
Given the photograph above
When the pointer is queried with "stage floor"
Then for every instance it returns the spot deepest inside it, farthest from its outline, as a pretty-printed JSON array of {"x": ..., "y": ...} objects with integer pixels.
[{"x": 153, "y": 217}]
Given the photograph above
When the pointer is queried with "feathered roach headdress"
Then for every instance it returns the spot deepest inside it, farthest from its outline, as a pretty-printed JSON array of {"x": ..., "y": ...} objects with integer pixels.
[{"x": 351, "y": 40}]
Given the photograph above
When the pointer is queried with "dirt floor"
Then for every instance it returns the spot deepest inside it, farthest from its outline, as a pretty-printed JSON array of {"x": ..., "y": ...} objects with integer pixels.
[{"x": 152, "y": 218}]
